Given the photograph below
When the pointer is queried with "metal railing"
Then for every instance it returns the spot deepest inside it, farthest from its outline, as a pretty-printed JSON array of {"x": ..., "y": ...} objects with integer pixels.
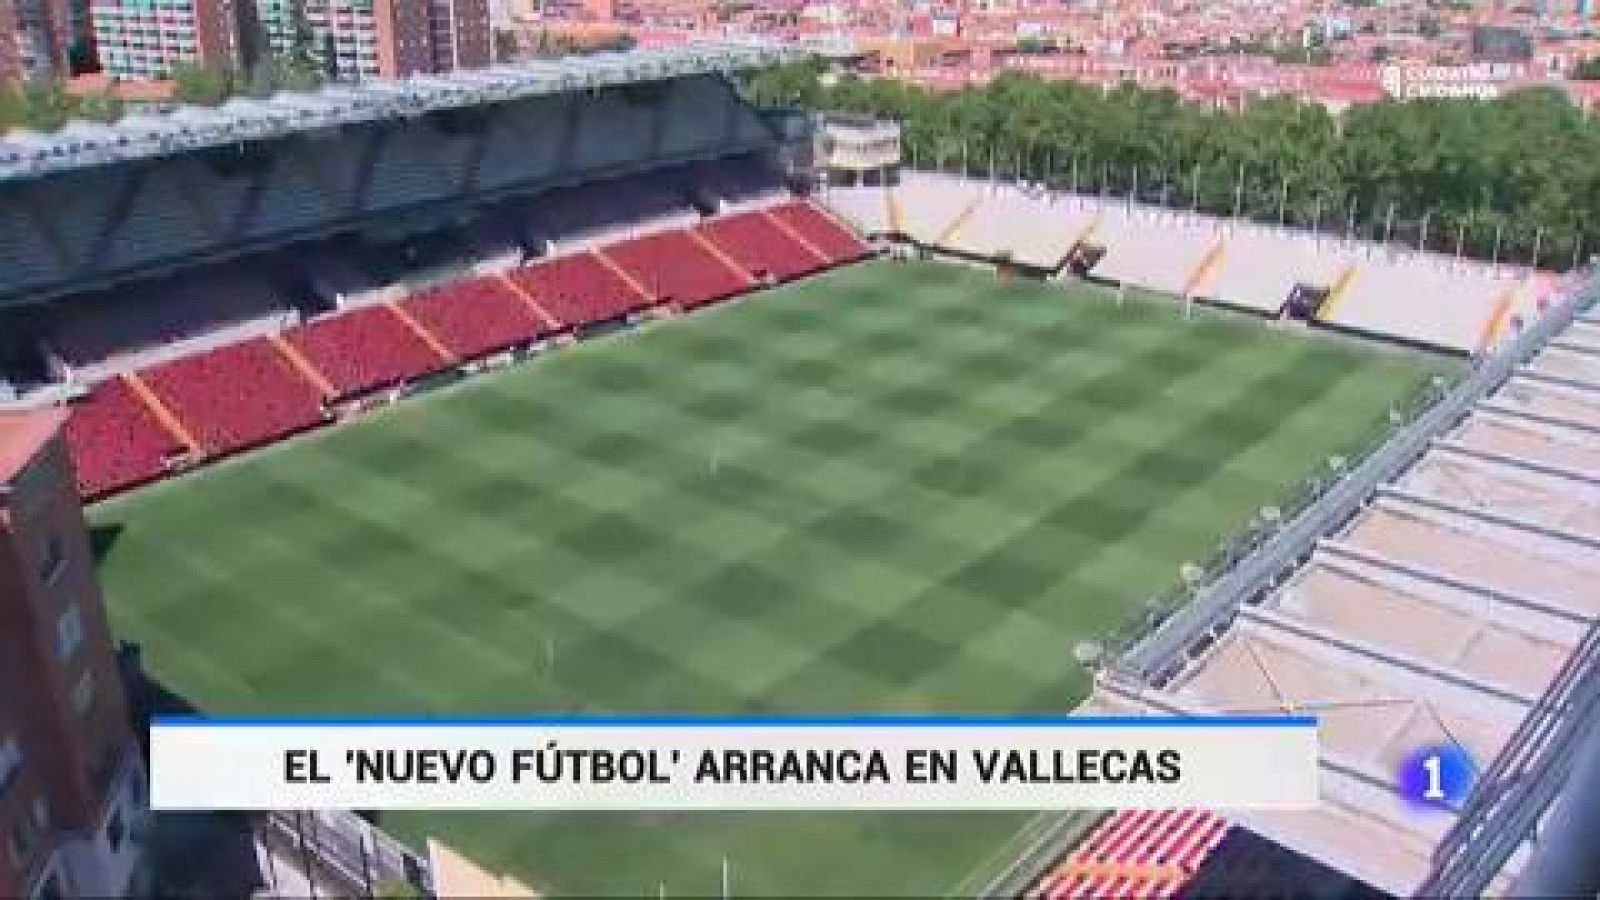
[
  {"x": 1157, "y": 641},
  {"x": 1519, "y": 786},
  {"x": 344, "y": 848}
]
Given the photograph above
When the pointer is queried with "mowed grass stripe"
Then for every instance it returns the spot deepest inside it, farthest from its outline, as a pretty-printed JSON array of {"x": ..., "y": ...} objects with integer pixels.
[{"x": 895, "y": 487}]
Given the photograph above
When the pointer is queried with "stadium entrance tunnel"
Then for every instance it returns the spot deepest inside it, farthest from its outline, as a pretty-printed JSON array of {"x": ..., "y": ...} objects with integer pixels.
[{"x": 1303, "y": 302}]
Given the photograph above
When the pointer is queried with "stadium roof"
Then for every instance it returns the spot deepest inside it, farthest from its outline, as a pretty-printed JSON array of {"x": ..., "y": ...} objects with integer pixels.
[{"x": 80, "y": 144}]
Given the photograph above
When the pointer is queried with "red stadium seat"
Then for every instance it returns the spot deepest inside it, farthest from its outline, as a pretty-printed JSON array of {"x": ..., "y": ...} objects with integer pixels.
[
  {"x": 476, "y": 317},
  {"x": 677, "y": 269},
  {"x": 1147, "y": 853},
  {"x": 364, "y": 350},
  {"x": 762, "y": 247},
  {"x": 821, "y": 231},
  {"x": 579, "y": 290},
  {"x": 116, "y": 442},
  {"x": 236, "y": 397}
]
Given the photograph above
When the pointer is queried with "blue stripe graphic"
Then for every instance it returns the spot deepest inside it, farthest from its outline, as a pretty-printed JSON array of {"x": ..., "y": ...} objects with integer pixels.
[{"x": 703, "y": 721}]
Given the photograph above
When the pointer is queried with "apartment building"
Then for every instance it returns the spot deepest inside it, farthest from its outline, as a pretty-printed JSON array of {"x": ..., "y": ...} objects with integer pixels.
[
  {"x": 72, "y": 785},
  {"x": 150, "y": 38},
  {"x": 385, "y": 38},
  {"x": 35, "y": 37}
]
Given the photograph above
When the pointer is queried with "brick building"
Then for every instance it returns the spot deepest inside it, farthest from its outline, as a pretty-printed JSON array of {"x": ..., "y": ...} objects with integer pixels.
[
  {"x": 37, "y": 37},
  {"x": 72, "y": 785}
]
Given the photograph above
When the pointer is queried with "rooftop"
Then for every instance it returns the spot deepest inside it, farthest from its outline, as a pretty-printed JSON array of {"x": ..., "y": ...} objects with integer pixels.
[
  {"x": 80, "y": 144},
  {"x": 22, "y": 435}
]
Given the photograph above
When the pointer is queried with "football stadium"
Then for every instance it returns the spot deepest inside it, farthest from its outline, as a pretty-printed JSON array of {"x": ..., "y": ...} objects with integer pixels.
[{"x": 570, "y": 387}]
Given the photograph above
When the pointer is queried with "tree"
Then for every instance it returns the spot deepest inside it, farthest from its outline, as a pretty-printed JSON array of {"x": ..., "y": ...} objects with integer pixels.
[
  {"x": 1499, "y": 176},
  {"x": 1588, "y": 70},
  {"x": 203, "y": 85},
  {"x": 105, "y": 106},
  {"x": 300, "y": 69},
  {"x": 506, "y": 47}
]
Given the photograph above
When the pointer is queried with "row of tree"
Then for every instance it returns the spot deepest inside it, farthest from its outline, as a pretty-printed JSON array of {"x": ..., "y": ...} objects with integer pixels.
[
  {"x": 45, "y": 105},
  {"x": 1513, "y": 178}
]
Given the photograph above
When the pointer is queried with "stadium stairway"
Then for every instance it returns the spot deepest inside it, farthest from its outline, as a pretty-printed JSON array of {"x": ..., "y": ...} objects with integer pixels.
[
  {"x": 550, "y": 321},
  {"x": 1336, "y": 292},
  {"x": 797, "y": 237},
  {"x": 742, "y": 273},
  {"x": 1494, "y": 326},
  {"x": 947, "y": 237},
  {"x": 421, "y": 332},
  {"x": 118, "y": 440},
  {"x": 163, "y": 415},
  {"x": 1206, "y": 270},
  {"x": 304, "y": 366},
  {"x": 836, "y": 241},
  {"x": 638, "y": 287}
]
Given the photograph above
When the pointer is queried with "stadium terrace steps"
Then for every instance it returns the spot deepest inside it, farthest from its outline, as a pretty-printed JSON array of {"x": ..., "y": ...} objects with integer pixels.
[
  {"x": 638, "y": 287},
  {"x": 1337, "y": 292},
  {"x": 581, "y": 289},
  {"x": 236, "y": 397},
  {"x": 301, "y": 365},
  {"x": 868, "y": 208},
  {"x": 745, "y": 274},
  {"x": 1145, "y": 853},
  {"x": 1155, "y": 250},
  {"x": 821, "y": 230},
  {"x": 162, "y": 414},
  {"x": 1261, "y": 266},
  {"x": 675, "y": 268},
  {"x": 1205, "y": 269},
  {"x": 116, "y": 440},
  {"x": 1495, "y": 326},
  {"x": 550, "y": 321},
  {"x": 363, "y": 350},
  {"x": 928, "y": 204},
  {"x": 1032, "y": 228},
  {"x": 476, "y": 317},
  {"x": 421, "y": 331},
  {"x": 763, "y": 246},
  {"x": 793, "y": 235},
  {"x": 948, "y": 237},
  {"x": 1384, "y": 299}
]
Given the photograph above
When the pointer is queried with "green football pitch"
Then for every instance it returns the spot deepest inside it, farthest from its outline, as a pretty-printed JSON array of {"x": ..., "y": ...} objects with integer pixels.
[{"x": 895, "y": 487}]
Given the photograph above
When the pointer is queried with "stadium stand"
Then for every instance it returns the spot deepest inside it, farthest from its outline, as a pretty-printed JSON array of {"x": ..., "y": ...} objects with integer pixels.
[
  {"x": 1438, "y": 612},
  {"x": 236, "y": 397},
  {"x": 137, "y": 324},
  {"x": 675, "y": 268},
  {"x": 1257, "y": 268},
  {"x": 1421, "y": 299},
  {"x": 1246, "y": 865},
  {"x": 865, "y": 207},
  {"x": 1032, "y": 228},
  {"x": 1156, "y": 250},
  {"x": 931, "y": 204},
  {"x": 739, "y": 183},
  {"x": 115, "y": 441},
  {"x": 364, "y": 350},
  {"x": 761, "y": 247},
  {"x": 1375, "y": 290},
  {"x": 474, "y": 318},
  {"x": 1143, "y": 853},
  {"x": 817, "y": 229},
  {"x": 579, "y": 290},
  {"x": 604, "y": 212},
  {"x": 359, "y": 154}
]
